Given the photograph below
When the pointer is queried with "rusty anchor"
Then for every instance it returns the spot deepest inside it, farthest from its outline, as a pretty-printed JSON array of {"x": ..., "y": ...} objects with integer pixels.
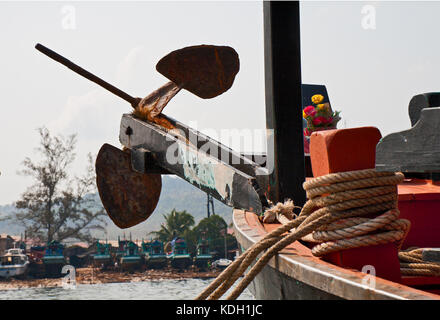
[
  {"x": 119, "y": 186},
  {"x": 206, "y": 71},
  {"x": 129, "y": 183}
]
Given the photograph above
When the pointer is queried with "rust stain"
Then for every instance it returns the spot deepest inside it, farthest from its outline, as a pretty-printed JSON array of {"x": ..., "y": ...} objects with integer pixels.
[
  {"x": 221, "y": 74},
  {"x": 144, "y": 114},
  {"x": 128, "y": 197},
  {"x": 205, "y": 70}
]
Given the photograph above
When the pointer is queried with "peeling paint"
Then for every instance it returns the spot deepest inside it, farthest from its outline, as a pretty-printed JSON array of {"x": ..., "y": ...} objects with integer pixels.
[{"x": 205, "y": 171}]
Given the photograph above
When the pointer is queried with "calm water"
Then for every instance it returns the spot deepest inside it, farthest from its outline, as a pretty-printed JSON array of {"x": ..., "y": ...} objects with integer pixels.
[{"x": 149, "y": 290}]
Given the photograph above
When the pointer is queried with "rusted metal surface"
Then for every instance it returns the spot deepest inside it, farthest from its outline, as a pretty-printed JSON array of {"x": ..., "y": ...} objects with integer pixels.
[
  {"x": 128, "y": 197},
  {"x": 150, "y": 107},
  {"x": 206, "y": 70},
  {"x": 158, "y": 99},
  {"x": 217, "y": 170}
]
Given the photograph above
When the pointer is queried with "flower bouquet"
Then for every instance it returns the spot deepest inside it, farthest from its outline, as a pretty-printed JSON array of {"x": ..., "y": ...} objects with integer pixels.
[{"x": 319, "y": 116}]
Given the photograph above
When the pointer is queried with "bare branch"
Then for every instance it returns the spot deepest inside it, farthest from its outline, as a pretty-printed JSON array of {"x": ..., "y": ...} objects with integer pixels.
[{"x": 57, "y": 207}]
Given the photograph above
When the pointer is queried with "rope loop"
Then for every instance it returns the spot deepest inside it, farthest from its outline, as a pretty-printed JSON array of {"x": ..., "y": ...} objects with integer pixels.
[
  {"x": 344, "y": 210},
  {"x": 412, "y": 264}
]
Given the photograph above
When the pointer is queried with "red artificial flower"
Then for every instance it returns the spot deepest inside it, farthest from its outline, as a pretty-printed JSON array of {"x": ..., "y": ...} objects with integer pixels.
[
  {"x": 328, "y": 120},
  {"x": 309, "y": 111},
  {"x": 307, "y": 132},
  {"x": 318, "y": 120}
]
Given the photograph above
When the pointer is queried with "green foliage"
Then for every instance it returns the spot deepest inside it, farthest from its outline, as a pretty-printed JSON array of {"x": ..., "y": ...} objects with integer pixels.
[
  {"x": 212, "y": 226},
  {"x": 217, "y": 245},
  {"x": 176, "y": 224},
  {"x": 191, "y": 238}
]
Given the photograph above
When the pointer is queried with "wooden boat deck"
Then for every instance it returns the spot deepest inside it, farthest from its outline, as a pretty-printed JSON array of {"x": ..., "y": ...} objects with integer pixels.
[{"x": 297, "y": 265}]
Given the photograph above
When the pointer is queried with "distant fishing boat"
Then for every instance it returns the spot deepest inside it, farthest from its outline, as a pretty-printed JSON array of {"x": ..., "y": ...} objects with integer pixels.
[
  {"x": 120, "y": 250},
  {"x": 145, "y": 250},
  {"x": 53, "y": 258},
  {"x": 203, "y": 257},
  {"x": 102, "y": 258},
  {"x": 14, "y": 263},
  {"x": 154, "y": 254},
  {"x": 145, "y": 247},
  {"x": 131, "y": 258},
  {"x": 179, "y": 257},
  {"x": 36, "y": 266},
  {"x": 221, "y": 263}
]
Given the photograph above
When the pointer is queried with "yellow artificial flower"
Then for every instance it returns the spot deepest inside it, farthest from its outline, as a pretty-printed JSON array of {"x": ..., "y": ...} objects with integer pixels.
[
  {"x": 321, "y": 106},
  {"x": 317, "y": 98}
]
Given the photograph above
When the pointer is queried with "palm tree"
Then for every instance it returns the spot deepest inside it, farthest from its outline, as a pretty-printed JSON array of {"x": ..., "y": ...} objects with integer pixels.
[
  {"x": 215, "y": 229},
  {"x": 175, "y": 225}
]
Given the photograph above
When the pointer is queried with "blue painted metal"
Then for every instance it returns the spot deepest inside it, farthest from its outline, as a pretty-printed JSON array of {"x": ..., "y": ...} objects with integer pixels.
[
  {"x": 103, "y": 254},
  {"x": 203, "y": 258},
  {"x": 54, "y": 253},
  {"x": 154, "y": 254},
  {"x": 130, "y": 257},
  {"x": 179, "y": 257}
]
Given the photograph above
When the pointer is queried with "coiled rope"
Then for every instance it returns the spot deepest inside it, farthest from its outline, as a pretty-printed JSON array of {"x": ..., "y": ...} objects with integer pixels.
[
  {"x": 344, "y": 210},
  {"x": 412, "y": 264}
]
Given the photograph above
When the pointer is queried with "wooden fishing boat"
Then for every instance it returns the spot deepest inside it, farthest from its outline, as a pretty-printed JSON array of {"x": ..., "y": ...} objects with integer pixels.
[
  {"x": 145, "y": 249},
  {"x": 35, "y": 255},
  {"x": 203, "y": 256},
  {"x": 221, "y": 263},
  {"x": 374, "y": 271},
  {"x": 14, "y": 263},
  {"x": 53, "y": 259},
  {"x": 154, "y": 254},
  {"x": 102, "y": 258},
  {"x": 119, "y": 251},
  {"x": 131, "y": 258},
  {"x": 179, "y": 257},
  {"x": 296, "y": 274},
  {"x": 249, "y": 185}
]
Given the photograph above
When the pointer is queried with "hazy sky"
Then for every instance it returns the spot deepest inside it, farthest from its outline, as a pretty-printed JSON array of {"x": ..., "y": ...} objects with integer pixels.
[{"x": 370, "y": 74}]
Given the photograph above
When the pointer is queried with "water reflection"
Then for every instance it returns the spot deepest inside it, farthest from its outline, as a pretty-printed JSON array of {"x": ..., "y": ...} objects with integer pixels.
[{"x": 186, "y": 289}]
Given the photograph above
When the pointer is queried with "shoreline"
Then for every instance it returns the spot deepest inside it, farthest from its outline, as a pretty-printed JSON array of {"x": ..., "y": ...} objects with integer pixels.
[{"x": 96, "y": 276}]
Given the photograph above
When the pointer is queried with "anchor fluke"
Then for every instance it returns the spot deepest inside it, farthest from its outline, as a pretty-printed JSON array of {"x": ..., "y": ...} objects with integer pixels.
[{"x": 128, "y": 197}]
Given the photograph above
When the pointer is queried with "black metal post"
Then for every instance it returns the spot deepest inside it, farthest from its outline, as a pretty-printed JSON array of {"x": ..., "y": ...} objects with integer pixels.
[
  {"x": 207, "y": 204},
  {"x": 210, "y": 201},
  {"x": 282, "y": 64}
]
